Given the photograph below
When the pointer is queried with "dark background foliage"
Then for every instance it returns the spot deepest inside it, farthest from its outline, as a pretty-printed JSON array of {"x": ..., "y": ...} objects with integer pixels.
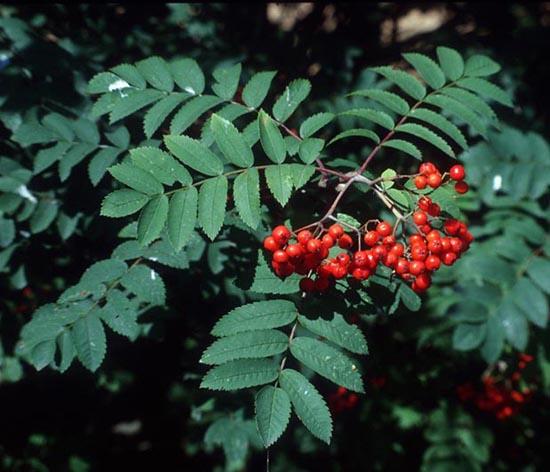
[{"x": 140, "y": 412}]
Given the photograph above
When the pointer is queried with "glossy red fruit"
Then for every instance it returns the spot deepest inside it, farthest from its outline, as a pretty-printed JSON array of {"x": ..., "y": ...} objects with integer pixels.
[
  {"x": 402, "y": 266},
  {"x": 281, "y": 234},
  {"x": 419, "y": 252},
  {"x": 461, "y": 187},
  {"x": 372, "y": 260},
  {"x": 435, "y": 246},
  {"x": 360, "y": 274},
  {"x": 304, "y": 236},
  {"x": 294, "y": 251},
  {"x": 371, "y": 238},
  {"x": 420, "y": 182},
  {"x": 434, "y": 180},
  {"x": 424, "y": 203},
  {"x": 390, "y": 260},
  {"x": 284, "y": 269},
  {"x": 307, "y": 285},
  {"x": 314, "y": 246},
  {"x": 360, "y": 259},
  {"x": 434, "y": 210},
  {"x": 343, "y": 259},
  {"x": 457, "y": 172},
  {"x": 384, "y": 228},
  {"x": 339, "y": 272},
  {"x": 388, "y": 240},
  {"x": 433, "y": 234},
  {"x": 423, "y": 281},
  {"x": 416, "y": 267},
  {"x": 451, "y": 226},
  {"x": 328, "y": 240},
  {"x": 398, "y": 249},
  {"x": 445, "y": 244},
  {"x": 427, "y": 168},
  {"x": 416, "y": 239},
  {"x": 322, "y": 284},
  {"x": 448, "y": 258},
  {"x": 425, "y": 229},
  {"x": 432, "y": 262},
  {"x": 280, "y": 256},
  {"x": 456, "y": 245},
  {"x": 420, "y": 218},
  {"x": 336, "y": 231},
  {"x": 324, "y": 270},
  {"x": 270, "y": 244},
  {"x": 345, "y": 241},
  {"x": 380, "y": 251}
]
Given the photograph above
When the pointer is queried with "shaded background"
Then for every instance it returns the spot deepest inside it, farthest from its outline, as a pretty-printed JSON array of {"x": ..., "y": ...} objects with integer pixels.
[{"x": 141, "y": 411}]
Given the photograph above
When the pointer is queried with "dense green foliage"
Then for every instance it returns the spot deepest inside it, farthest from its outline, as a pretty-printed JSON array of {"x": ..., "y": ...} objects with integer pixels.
[{"x": 137, "y": 181}]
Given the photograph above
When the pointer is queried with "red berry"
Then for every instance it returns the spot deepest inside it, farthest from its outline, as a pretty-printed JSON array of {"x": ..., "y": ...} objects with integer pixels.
[
  {"x": 345, "y": 241},
  {"x": 456, "y": 245},
  {"x": 280, "y": 256},
  {"x": 423, "y": 281},
  {"x": 388, "y": 240},
  {"x": 434, "y": 209},
  {"x": 360, "y": 259},
  {"x": 304, "y": 236},
  {"x": 420, "y": 218},
  {"x": 418, "y": 252},
  {"x": 398, "y": 249},
  {"x": 314, "y": 246},
  {"x": 434, "y": 246},
  {"x": 445, "y": 244},
  {"x": 322, "y": 284},
  {"x": 427, "y": 168},
  {"x": 461, "y": 187},
  {"x": 451, "y": 226},
  {"x": 432, "y": 262},
  {"x": 372, "y": 260},
  {"x": 360, "y": 274},
  {"x": 424, "y": 203},
  {"x": 416, "y": 267},
  {"x": 371, "y": 238},
  {"x": 307, "y": 285},
  {"x": 416, "y": 239},
  {"x": 336, "y": 231},
  {"x": 434, "y": 180},
  {"x": 383, "y": 228},
  {"x": 270, "y": 244},
  {"x": 432, "y": 235},
  {"x": 380, "y": 251},
  {"x": 420, "y": 182},
  {"x": 327, "y": 240},
  {"x": 343, "y": 259},
  {"x": 448, "y": 258},
  {"x": 339, "y": 272},
  {"x": 294, "y": 251},
  {"x": 457, "y": 172},
  {"x": 281, "y": 234},
  {"x": 402, "y": 266},
  {"x": 390, "y": 260}
]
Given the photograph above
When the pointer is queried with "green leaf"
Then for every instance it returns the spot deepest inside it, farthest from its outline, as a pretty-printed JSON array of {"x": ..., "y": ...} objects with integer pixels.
[
  {"x": 295, "y": 93},
  {"x": 227, "y": 81},
  {"x": 428, "y": 69},
  {"x": 160, "y": 111},
  {"x": 409, "y": 298},
  {"x": 292, "y": 145},
  {"x": 515, "y": 325},
  {"x": 480, "y": 65},
  {"x": 265, "y": 281},
  {"x": 308, "y": 404},
  {"x": 155, "y": 70},
  {"x": 194, "y": 154},
  {"x": 442, "y": 123},
  {"x": 59, "y": 125},
  {"x": 188, "y": 76},
  {"x": 458, "y": 109},
  {"x": 532, "y": 302},
  {"x": 46, "y": 157},
  {"x": 130, "y": 74},
  {"x": 212, "y": 202},
  {"x": 494, "y": 340},
  {"x": 67, "y": 350},
  {"x": 257, "y": 87},
  {"x": 468, "y": 336},
  {"x": 182, "y": 216},
  {"x": 248, "y": 345},
  {"x": 123, "y": 203},
  {"x": 131, "y": 101},
  {"x": 43, "y": 216},
  {"x": 272, "y": 408},
  {"x": 103, "y": 159},
  {"x": 242, "y": 373},
  {"x": 338, "y": 331},
  {"x": 471, "y": 101},
  {"x": 43, "y": 354},
  {"x": 120, "y": 137},
  {"x": 451, "y": 62},
  {"x": 191, "y": 111},
  {"x": 160, "y": 164},
  {"x": 427, "y": 135},
  {"x": 310, "y": 148},
  {"x": 356, "y": 132},
  {"x": 539, "y": 271},
  {"x": 88, "y": 336},
  {"x": 152, "y": 219},
  {"x": 231, "y": 143},
  {"x": 145, "y": 283},
  {"x": 348, "y": 220},
  {"x": 378, "y": 117},
  {"x": 486, "y": 89},
  {"x": 32, "y": 133},
  {"x": 301, "y": 174},
  {"x": 120, "y": 316},
  {"x": 403, "y": 80},
  {"x": 74, "y": 156},
  {"x": 279, "y": 180},
  {"x": 404, "y": 146},
  {"x": 256, "y": 316},
  {"x": 251, "y": 132},
  {"x": 246, "y": 194},
  {"x": 314, "y": 123},
  {"x": 102, "y": 82},
  {"x": 230, "y": 113},
  {"x": 390, "y": 100},
  {"x": 136, "y": 178},
  {"x": 327, "y": 362},
  {"x": 271, "y": 138}
]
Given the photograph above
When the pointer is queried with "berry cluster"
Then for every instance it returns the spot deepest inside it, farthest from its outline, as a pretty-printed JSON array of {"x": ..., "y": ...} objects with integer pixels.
[
  {"x": 342, "y": 400},
  {"x": 429, "y": 176},
  {"x": 498, "y": 397},
  {"x": 306, "y": 254}
]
